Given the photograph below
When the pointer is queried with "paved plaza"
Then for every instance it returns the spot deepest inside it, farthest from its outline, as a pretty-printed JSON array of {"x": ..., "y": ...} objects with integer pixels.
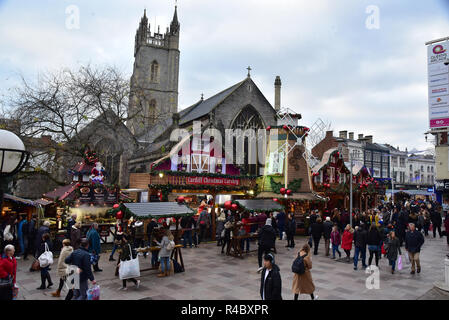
[{"x": 210, "y": 275}]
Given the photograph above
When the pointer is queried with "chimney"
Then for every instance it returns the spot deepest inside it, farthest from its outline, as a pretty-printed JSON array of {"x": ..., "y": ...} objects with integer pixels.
[
  {"x": 351, "y": 135},
  {"x": 343, "y": 134},
  {"x": 277, "y": 93},
  {"x": 329, "y": 134},
  {"x": 175, "y": 118},
  {"x": 369, "y": 139},
  {"x": 360, "y": 137}
]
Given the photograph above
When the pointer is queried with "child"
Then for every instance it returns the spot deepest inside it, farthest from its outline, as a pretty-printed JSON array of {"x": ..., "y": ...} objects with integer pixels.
[{"x": 336, "y": 241}]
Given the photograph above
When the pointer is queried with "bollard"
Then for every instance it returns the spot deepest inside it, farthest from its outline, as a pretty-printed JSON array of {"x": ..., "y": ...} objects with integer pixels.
[{"x": 444, "y": 285}]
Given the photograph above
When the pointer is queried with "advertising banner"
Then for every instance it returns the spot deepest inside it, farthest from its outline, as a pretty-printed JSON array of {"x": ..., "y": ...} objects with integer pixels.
[{"x": 438, "y": 80}]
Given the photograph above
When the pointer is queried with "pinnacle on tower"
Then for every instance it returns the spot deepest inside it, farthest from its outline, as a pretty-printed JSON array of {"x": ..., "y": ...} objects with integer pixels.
[{"x": 174, "y": 25}]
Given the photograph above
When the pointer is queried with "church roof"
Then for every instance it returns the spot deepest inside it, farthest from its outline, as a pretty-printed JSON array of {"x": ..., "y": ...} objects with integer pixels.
[{"x": 203, "y": 107}]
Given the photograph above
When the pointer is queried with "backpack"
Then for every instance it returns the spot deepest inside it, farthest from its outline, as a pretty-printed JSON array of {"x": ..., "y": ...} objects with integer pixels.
[
  {"x": 171, "y": 245},
  {"x": 298, "y": 265}
]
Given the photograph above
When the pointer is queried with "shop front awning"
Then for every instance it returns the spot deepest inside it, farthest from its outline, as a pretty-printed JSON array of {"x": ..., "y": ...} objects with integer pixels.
[
  {"x": 18, "y": 200},
  {"x": 305, "y": 196},
  {"x": 156, "y": 210},
  {"x": 260, "y": 205},
  {"x": 412, "y": 192}
]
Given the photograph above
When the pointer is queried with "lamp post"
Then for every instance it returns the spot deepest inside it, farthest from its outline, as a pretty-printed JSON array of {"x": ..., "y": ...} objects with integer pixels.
[
  {"x": 13, "y": 157},
  {"x": 351, "y": 158}
]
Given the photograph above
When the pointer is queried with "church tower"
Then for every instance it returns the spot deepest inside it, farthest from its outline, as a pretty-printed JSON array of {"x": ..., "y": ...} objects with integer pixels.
[{"x": 154, "y": 83}]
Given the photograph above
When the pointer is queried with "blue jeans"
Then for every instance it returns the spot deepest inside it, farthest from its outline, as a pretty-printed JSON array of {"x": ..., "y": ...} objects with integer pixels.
[
  {"x": 360, "y": 252},
  {"x": 242, "y": 243},
  {"x": 113, "y": 250},
  {"x": 335, "y": 249},
  {"x": 22, "y": 245},
  {"x": 187, "y": 237},
  {"x": 165, "y": 264},
  {"x": 281, "y": 231},
  {"x": 392, "y": 263}
]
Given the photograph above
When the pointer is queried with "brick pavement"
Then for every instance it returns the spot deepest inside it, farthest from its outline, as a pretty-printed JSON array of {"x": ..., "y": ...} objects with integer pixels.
[{"x": 210, "y": 275}]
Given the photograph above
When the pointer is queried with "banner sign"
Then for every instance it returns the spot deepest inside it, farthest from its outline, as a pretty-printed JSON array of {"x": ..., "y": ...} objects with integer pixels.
[
  {"x": 438, "y": 80},
  {"x": 97, "y": 196},
  {"x": 213, "y": 181}
]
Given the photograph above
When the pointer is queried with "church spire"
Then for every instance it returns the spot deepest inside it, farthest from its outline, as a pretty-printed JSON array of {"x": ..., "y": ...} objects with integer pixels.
[{"x": 174, "y": 26}]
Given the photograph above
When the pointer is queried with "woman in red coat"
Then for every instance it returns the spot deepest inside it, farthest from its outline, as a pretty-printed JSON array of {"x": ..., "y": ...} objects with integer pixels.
[
  {"x": 346, "y": 241},
  {"x": 8, "y": 268}
]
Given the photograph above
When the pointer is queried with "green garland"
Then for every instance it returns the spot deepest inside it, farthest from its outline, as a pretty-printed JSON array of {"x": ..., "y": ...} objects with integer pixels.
[
  {"x": 294, "y": 185},
  {"x": 201, "y": 174}
]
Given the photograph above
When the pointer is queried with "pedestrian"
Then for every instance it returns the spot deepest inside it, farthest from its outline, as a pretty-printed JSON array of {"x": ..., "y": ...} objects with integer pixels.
[
  {"x": 31, "y": 237},
  {"x": 402, "y": 224},
  {"x": 75, "y": 235},
  {"x": 266, "y": 241},
  {"x": 204, "y": 224},
  {"x": 118, "y": 234},
  {"x": 94, "y": 245},
  {"x": 228, "y": 226},
  {"x": 446, "y": 227},
  {"x": 247, "y": 228},
  {"x": 63, "y": 268},
  {"x": 81, "y": 259},
  {"x": 360, "y": 241},
  {"x": 45, "y": 245},
  {"x": 138, "y": 234},
  {"x": 70, "y": 223},
  {"x": 346, "y": 241},
  {"x": 9, "y": 235},
  {"x": 392, "y": 248},
  {"x": 127, "y": 253},
  {"x": 45, "y": 228},
  {"x": 8, "y": 272},
  {"x": 413, "y": 243},
  {"x": 336, "y": 241},
  {"x": 221, "y": 220},
  {"x": 187, "y": 225},
  {"x": 280, "y": 217},
  {"x": 164, "y": 253},
  {"x": 291, "y": 231},
  {"x": 327, "y": 230},
  {"x": 317, "y": 230},
  {"x": 374, "y": 241},
  {"x": 21, "y": 233},
  {"x": 270, "y": 280},
  {"x": 303, "y": 283},
  {"x": 435, "y": 216}
]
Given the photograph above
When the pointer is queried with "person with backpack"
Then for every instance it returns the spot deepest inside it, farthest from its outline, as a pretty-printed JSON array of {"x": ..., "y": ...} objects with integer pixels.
[
  {"x": 167, "y": 245},
  {"x": 45, "y": 245},
  {"x": 302, "y": 278},
  {"x": 127, "y": 253},
  {"x": 336, "y": 241},
  {"x": 270, "y": 280}
]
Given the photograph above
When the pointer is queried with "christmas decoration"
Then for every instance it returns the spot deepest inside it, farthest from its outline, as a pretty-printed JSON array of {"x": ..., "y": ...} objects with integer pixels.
[
  {"x": 97, "y": 173},
  {"x": 234, "y": 207},
  {"x": 119, "y": 215},
  {"x": 228, "y": 205},
  {"x": 116, "y": 206}
]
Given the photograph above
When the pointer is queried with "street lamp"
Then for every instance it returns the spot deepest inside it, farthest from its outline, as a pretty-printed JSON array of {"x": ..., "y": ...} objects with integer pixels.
[{"x": 13, "y": 157}]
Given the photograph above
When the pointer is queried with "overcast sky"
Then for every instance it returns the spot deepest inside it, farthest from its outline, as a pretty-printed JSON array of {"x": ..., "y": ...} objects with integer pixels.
[{"x": 370, "y": 81}]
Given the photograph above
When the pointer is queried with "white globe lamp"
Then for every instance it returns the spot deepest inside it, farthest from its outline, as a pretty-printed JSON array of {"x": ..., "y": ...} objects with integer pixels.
[{"x": 13, "y": 156}]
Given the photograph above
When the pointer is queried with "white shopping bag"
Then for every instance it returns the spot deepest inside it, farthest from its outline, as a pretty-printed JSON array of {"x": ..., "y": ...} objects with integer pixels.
[{"x": 129, "y": 268}]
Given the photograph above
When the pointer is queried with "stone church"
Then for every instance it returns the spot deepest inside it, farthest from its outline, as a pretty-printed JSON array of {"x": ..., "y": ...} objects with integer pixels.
[{"x": 154, "y": 89}]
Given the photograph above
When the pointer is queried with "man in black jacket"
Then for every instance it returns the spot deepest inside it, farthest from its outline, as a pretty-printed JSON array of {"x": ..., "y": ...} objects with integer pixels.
[
  {"x": 270, "y": 280},
  {"x": 413, "y": 243},
  {"x": 70, "y": 223},
  {"x": 327, "y": 230},
  {"x": 291, "y": 231},
  {"x": 31, "y": 237},
  {"x": 81, "y": 259},
  {"x": 402, "y": 224},
  {"x": 437, "y": 221},
  {"x": 316, "y": 231},
  {"x": 360, "y": 241},
  {"x": 267, "y": 239}
]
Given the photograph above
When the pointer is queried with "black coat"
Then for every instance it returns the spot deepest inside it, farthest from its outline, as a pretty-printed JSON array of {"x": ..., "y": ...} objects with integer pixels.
[
  {"x": 413, "y": 241},
  {"x": 435, "y": 216},
  {"x": 317, "y": 230},
  {"x": 41, "y": 248},
  {"x": 81, "y": 259},
  {"x": 291, "y": 227},
  {"x": 360, "y": 238},
  {"x": 327, "y": 229},
  {"x": 272, "y": 285},
  {"x": 374, "y": 238},
  {"x": 267, "y": 236},
  {"x": 38, "y": 241}
]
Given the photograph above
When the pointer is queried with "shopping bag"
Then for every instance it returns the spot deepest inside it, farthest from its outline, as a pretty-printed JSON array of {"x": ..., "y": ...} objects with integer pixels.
[
  {"x": 46, "y": 258},
  {"x": 407, "y": 258},
  {"x": 400, "y": 263},
  {"x": 129, "y": 268},
  {"x": 93, "y": 293}
]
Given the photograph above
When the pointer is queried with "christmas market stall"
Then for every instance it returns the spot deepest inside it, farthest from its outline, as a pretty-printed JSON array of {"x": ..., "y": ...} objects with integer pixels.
[
  {"x": 167, "y": 215},
  {"x": 15, "y": 206},
  {"x": 87, "y": 196}
]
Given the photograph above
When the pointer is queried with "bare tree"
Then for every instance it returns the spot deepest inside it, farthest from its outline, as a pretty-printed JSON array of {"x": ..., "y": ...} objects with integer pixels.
[{"x": 72, "y": 110}]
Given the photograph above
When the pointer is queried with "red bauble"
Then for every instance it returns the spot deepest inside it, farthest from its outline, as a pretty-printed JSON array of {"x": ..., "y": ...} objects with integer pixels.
[
  {"x": 282, "y": 190},
  {"x": 285, "y": 127},
  {"x": 275, "y": 200},
  {"x": 234, "y": 206},
  {"x": 289, "y": 192},
  {"x": 181, "y": 199},
  {"x": 116, "y": 206},
  {"x": 268, "y": 128},
  {"x": 119, "y": 215},
  {"x": 228, "y": 204}
]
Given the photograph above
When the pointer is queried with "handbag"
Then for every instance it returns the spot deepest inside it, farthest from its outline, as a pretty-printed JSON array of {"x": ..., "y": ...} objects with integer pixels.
[
  {"x": 94, "y": 258},
  {"x": 35, "y": 266},
  {"x": 46, "y": 258},
  {"x": 400, "y": 263},
  {"x": 129, "y": 268}
]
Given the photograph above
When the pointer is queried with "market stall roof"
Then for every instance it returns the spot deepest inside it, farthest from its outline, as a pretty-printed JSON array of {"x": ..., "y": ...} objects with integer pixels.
[
  {"x": 62, "y": 193},
  {"x": 260, "y": 204},
  {"x": 310, "y": 196},
  {"x": 26, "y": 202},
  {"x": 159, "y": 209},
  {"x": 43, "y": 202},
  {"x": 324, "y": 160}
]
